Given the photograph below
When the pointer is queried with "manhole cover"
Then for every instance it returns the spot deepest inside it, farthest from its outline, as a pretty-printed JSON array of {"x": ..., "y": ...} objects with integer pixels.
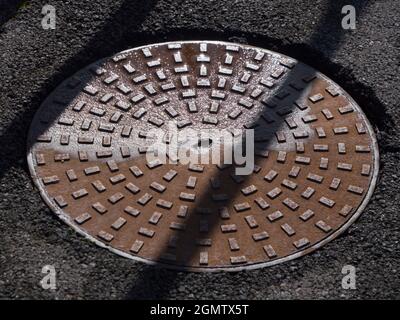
[{"x": 316, "y": 157}]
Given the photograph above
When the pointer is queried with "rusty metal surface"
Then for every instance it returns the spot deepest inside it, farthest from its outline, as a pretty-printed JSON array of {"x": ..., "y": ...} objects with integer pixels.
[{"x": 316, "y": 156}]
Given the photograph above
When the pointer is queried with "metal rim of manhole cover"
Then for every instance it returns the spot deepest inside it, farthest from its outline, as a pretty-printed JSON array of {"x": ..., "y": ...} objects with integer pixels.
[{"x": 315, "y": 156}]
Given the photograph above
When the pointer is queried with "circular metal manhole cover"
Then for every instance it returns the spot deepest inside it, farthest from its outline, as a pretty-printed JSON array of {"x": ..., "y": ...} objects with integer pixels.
[{"x": 316, "y": 157}]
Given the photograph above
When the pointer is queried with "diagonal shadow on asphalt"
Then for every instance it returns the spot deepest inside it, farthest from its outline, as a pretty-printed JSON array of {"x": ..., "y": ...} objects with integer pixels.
[{"x": 8, "y": 8}]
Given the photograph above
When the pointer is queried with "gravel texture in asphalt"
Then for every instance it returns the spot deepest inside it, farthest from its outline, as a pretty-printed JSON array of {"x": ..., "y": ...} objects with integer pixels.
[{"x": 364, "y": 61}]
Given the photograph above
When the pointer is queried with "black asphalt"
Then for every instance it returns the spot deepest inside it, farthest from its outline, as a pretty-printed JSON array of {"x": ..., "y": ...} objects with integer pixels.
[{"x": 33, "y": 61}]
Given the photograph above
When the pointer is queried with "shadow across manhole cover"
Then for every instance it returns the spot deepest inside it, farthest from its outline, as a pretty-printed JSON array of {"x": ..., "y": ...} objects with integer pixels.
[{"x": 92, "y": 154}]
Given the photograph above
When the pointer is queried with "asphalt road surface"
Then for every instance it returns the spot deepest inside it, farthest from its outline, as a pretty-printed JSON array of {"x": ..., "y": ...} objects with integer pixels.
[{"x": 33, "y": 61}]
